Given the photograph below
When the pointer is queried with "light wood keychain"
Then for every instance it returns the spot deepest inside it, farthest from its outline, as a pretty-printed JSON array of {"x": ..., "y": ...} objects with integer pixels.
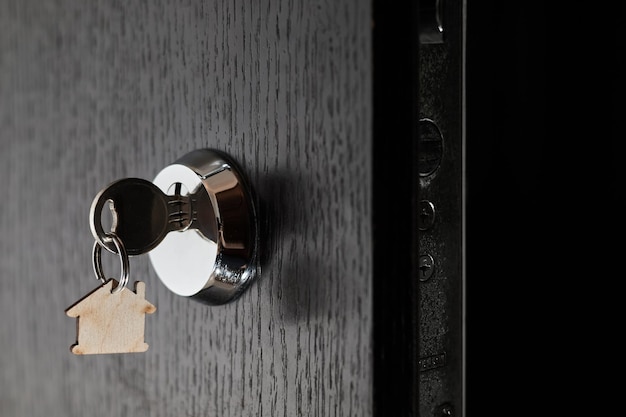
[{"x": 111, "y": 318}]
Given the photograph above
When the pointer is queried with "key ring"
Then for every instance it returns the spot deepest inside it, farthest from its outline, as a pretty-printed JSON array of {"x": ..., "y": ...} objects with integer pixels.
[{"x": 124, "y": 261}]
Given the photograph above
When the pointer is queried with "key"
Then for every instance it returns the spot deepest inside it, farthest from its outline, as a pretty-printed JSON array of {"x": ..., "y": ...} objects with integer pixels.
[{"x": 142, "y": 214}]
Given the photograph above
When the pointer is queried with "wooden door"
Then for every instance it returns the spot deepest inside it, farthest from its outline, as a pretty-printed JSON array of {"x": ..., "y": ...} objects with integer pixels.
[{"x": 91, "y": 92}]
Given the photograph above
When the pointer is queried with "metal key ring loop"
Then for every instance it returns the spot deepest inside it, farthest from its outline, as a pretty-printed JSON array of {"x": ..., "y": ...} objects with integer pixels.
[{"x": 124, "y": 261}]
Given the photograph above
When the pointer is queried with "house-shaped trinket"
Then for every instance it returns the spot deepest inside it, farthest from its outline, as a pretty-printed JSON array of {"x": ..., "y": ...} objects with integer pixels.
[{"x": 111, "y": 323}]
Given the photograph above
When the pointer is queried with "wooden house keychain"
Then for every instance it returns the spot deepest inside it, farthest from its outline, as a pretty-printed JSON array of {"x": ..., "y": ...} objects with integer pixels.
[{"x": 111, "y": 318}]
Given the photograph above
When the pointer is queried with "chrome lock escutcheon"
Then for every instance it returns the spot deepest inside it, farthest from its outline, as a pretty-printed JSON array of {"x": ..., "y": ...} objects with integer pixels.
[{"x": 196, "y": 220}]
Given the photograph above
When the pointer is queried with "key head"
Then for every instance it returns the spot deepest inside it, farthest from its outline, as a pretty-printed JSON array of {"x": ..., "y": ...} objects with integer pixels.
[{"x": 140, "y": 215}]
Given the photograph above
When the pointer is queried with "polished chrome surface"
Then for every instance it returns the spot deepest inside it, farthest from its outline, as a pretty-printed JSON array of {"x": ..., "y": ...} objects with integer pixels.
[{"x": 216, "y": 258}]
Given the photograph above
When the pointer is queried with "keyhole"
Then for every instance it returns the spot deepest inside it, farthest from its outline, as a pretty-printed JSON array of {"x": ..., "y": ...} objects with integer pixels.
[
  {"x": 426, "y": 263},
  {"x": 178, "y": 188},
  {"x": 430, "y": 147},
  {"x": 184, "y": 215},
  {"x": 424, "y": 215}
]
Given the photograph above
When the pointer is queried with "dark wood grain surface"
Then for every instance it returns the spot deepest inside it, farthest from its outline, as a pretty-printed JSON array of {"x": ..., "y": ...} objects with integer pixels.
[{"x": 92, "y": 92}]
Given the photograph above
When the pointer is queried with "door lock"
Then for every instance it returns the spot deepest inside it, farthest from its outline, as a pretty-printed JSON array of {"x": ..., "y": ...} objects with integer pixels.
[{"x": 196, "y": 220}]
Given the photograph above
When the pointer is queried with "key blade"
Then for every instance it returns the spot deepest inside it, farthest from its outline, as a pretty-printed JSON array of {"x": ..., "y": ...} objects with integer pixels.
[{"x": 181, "y": 214}]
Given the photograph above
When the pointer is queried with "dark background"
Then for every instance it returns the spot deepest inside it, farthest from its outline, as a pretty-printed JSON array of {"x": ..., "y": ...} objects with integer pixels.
[{"x": 545, "y": 203}]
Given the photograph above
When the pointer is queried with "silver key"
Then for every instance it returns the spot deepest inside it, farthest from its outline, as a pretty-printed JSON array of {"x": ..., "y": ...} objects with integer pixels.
[{"x": 142, "y": 214}]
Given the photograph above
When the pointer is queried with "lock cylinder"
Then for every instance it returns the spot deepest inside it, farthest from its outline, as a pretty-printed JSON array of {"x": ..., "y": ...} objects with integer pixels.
[{"x": 216, "y": 258}]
